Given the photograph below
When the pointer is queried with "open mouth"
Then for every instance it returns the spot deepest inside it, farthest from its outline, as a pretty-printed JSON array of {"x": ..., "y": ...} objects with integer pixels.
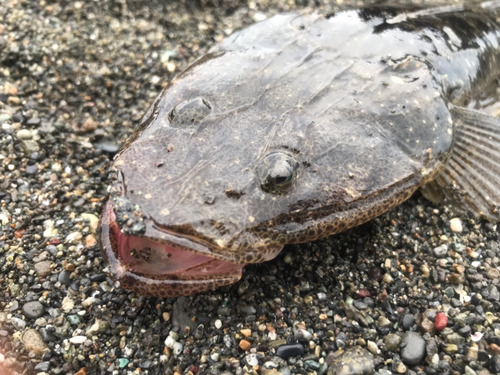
[{"x": 159, "y": 269}]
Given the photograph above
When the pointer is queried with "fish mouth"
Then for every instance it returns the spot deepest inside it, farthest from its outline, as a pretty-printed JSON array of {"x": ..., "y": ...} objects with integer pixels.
[{"x": 159, "y": 269}]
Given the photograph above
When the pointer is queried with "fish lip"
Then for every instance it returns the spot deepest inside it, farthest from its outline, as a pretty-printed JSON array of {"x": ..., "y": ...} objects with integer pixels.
[{"x": 159, "y": 285}]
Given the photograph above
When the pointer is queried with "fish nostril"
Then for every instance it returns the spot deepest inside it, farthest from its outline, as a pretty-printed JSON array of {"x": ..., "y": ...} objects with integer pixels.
[{"x": 209, "y": 200}]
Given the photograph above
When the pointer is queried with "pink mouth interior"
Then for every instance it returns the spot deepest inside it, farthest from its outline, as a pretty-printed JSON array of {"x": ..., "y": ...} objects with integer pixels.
[{"x": 144, "y": 256}]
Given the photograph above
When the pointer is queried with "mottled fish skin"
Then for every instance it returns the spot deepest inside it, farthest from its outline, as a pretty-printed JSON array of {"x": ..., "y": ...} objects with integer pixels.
[{"x": 355, "y": 104}]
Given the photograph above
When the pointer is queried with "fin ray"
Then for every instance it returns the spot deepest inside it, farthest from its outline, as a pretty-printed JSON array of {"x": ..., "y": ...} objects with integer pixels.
[{"x": 471, "y": 177}]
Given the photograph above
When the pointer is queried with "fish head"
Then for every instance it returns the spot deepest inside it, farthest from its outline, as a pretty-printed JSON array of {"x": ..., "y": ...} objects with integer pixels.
[{"x": 256, "y": 147}]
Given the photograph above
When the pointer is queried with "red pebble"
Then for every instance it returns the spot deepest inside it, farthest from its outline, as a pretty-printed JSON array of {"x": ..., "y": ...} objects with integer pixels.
[
  {"x": 55, "y": 241},
  {"x": 441, "y": 321},
  {"x": 364, "y": 293}
]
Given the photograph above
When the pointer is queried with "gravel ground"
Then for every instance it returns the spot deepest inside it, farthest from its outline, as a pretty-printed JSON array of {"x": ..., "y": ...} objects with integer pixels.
[{"x": 406, "y": 293}]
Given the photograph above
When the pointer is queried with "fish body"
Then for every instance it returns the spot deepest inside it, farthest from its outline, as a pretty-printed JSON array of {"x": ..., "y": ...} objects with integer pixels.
[{"x": 300, "y": 127}]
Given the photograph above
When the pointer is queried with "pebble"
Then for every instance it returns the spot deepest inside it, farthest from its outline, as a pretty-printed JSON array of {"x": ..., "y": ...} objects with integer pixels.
[
  {"x": 77, "y": 339},
  {"x": 33, "y": 342},
  {"x": 408, "y": 321},
  {"x": 412, "y": 348},
  {"x": 42, "y": 367},
  {"x": 24, "y": 134},
  {"x": 383, "y": 322},
  {"x": 456, "y": 225},
  {"x": 441, "y": 321},
  {"x": 64, "y": 278},
  {"x": 392, "y": 342},
  {"x": 252, "y": 359},
  {"x": 493, "y": 273},
  {"x": 31, "y": 169},
  {"x": 290, "y": 350},
  {"x": 33, "y": 310},
  {"x": 245, "y": 345},
  {"x": 43, "y": 268},
  {"x": 354, "y": 361},
  {"x": 372, "y": 347},
  {"x": 178, "y": 346},
  {"x": 18, "y": 323},
  {"x": 440, "y": 251},
  {"x": 67, "y": 304}
]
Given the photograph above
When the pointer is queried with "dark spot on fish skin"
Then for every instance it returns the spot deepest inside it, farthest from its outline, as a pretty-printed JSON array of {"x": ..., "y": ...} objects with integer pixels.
[{"x": 234, "y": 194}]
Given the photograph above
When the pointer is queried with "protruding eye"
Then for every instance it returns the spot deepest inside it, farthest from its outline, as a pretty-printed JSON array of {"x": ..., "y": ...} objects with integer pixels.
[
  {"x": 189, "y": 113},
  {"x": 277, "y": 172}
]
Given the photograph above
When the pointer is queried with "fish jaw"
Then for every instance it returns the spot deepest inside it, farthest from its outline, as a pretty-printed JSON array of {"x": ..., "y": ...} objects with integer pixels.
[{"x": 158, "y": 269}]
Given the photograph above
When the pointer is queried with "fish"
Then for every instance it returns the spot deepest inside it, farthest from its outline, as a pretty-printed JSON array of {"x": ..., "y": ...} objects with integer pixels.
[{"x": 300, "y": 127}]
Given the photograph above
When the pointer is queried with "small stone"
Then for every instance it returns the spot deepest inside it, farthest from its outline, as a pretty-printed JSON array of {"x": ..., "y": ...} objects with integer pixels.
[
  {"x": 178, "y": 346},
  {"x": 24, "y": 134},
  {"x": 33, "y": 310},
  {"x": 493, "y": 273},
  {"x": 383, "y": 322},
  {"x": 472, "y": 353},
  {"x": 246, "y": 332},
  {"x": 77, "y": 339},
  {"x": 440, "y": 251},
  {"x": 387, "y": 278},
  {"x": 302, "y": 335},
  {"x": 245, "y": 345},
  {"x": 495, "y": 348},
  {"x": 450, "y": 348},
  {"x": 252, "y": 359},
  {"x": 455, "y": 338},
  {"x": 31, "y": 169},
  {"x": 64, "y": 278},
  {"x": 412, "y": 348},
  {"x": 372, "y": 347},
  {"x": 43, "y": 268},
  {"x": 441, "y": 321},
  {"x": 313, "y": 365},
  {"x": 92, "y": 219},
  {"x": 400, "y": 368},
  {"x": 42, "y": 367},
  {"x": 33, "y": 342},
  {"x": 392, "y": 342},
  {"x": 408, "y": 321},
  {"x": 290, "y": 350},
  {"x": 169, "y": 342},
  {"x": 74, "y": 319},
  {"x": 18, "y": 323},
  {"x": 354, "y": 361},
  {"x": 456, "y": 224},
  {"x": 218, "y": 324},
  {"x": 67, "y": 304}
]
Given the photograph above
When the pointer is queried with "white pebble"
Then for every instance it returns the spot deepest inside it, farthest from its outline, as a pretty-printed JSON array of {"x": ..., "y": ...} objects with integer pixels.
[
  {"x": 77, "y": 340},
  {"x": 252, "y": 359},
  {"x": 169, "y": 342},
  {"x": 218, "y": 324},
  {"x": 456, "y": 224},
  {"x": 476, "y": 337},
  {"x": 177, "y": 348}
]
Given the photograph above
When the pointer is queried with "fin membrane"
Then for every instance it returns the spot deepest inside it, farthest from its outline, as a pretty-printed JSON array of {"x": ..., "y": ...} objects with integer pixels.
[{"x": 471, "y": 178}]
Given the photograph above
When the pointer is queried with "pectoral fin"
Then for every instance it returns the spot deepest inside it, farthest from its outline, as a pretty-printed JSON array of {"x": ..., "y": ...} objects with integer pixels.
[{"x": 471, "y": 178}]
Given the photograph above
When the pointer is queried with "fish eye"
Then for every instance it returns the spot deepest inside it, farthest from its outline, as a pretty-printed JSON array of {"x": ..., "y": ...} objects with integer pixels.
[
  {"x": 189, "y": 113},
  {"x": 277, "y": 172}
]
